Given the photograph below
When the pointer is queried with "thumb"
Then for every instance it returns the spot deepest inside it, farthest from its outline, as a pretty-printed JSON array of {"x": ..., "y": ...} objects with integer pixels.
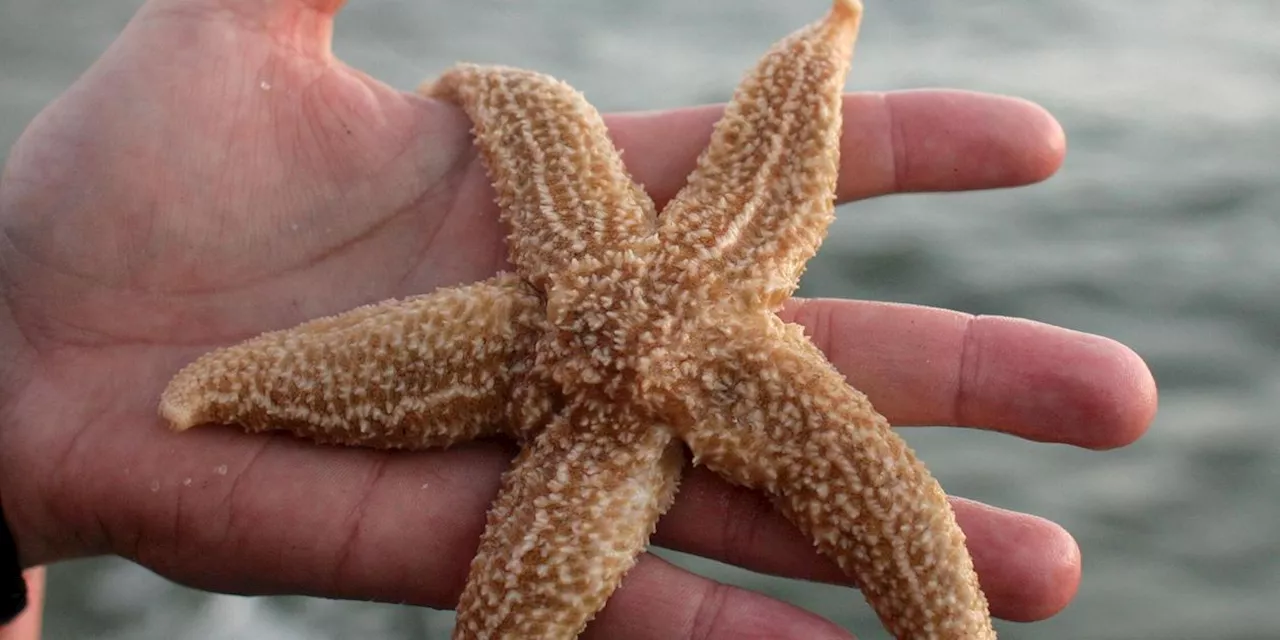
[
  {"x": 304, "y": 24},
  {"x": 260, "y": 7}
]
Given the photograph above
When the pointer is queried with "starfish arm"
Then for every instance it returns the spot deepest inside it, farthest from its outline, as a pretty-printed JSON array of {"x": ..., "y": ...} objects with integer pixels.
[
  {"x": 574, "y": 512},
  {"x": 766, "y": 410},
  {"x": 560, "y": 182},
  {"x": 761, "y": 198},
  {"x": 424, "y": 371}
]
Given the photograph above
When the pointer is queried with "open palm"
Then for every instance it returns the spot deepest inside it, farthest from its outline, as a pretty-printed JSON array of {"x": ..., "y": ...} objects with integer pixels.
[{"x": 218, "y": 173}]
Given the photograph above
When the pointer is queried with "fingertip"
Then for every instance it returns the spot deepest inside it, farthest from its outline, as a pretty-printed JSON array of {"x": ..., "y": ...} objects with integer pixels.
[
  {"x": 659, "y": 600},
  {"x": 947, "y": 139},
  {"x": 1030, "y": 140},
  {"x": 305, "y": 25},
  {"x": 328, "y": 7},
  {"x": 1133, "y": 402},
  {"x": 1051, "y": 574},
  {"x": 321, "y": 7},
  {"x": 1122, "y": 400},
  {"x": 1051, "y": 384},
  {"x": 1047, "y": 149},
  {"x": 1062, "y": 574},
  {"x": 1029, "y": 567}
]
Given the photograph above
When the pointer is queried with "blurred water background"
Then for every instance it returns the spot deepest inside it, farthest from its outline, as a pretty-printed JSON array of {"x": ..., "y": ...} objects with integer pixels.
[{"x": 1162, "y": 230}]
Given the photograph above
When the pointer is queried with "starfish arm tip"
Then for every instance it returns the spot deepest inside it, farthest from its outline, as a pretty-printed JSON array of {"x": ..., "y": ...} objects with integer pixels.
[
  {"x": 179, "y": 413},
  {"x": 849, "y": 8},
  {"x": 845, "y": 17}
]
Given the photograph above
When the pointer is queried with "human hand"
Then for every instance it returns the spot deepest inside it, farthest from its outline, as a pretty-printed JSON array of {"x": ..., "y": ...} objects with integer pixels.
[
  {"x": 28, "y": 624},
  {"x": 217, "y": 173}
]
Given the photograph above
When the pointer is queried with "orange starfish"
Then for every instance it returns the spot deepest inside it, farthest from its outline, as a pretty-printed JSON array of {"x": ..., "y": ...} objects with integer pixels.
[{"x": 622, "y": 338}]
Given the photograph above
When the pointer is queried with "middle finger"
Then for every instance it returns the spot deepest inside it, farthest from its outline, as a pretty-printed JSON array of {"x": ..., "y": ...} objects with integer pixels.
[{"x": 927, "y": 366}]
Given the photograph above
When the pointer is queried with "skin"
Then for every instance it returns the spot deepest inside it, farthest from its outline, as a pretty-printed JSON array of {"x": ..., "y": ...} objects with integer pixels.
[
  {"x": 27, "y": 625},
  {"x": 169, "y": 204}
]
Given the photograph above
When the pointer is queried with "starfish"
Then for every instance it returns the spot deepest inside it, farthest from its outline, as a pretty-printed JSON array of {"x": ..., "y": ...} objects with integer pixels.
[{"x": 623, "y": 338}]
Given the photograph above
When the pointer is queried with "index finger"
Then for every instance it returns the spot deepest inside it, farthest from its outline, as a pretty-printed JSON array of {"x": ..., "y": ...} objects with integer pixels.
[{"x": 903, "y": 141}]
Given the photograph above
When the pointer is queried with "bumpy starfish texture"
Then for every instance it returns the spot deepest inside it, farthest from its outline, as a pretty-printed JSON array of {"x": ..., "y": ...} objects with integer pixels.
[{"x": 623, "y": 337}]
